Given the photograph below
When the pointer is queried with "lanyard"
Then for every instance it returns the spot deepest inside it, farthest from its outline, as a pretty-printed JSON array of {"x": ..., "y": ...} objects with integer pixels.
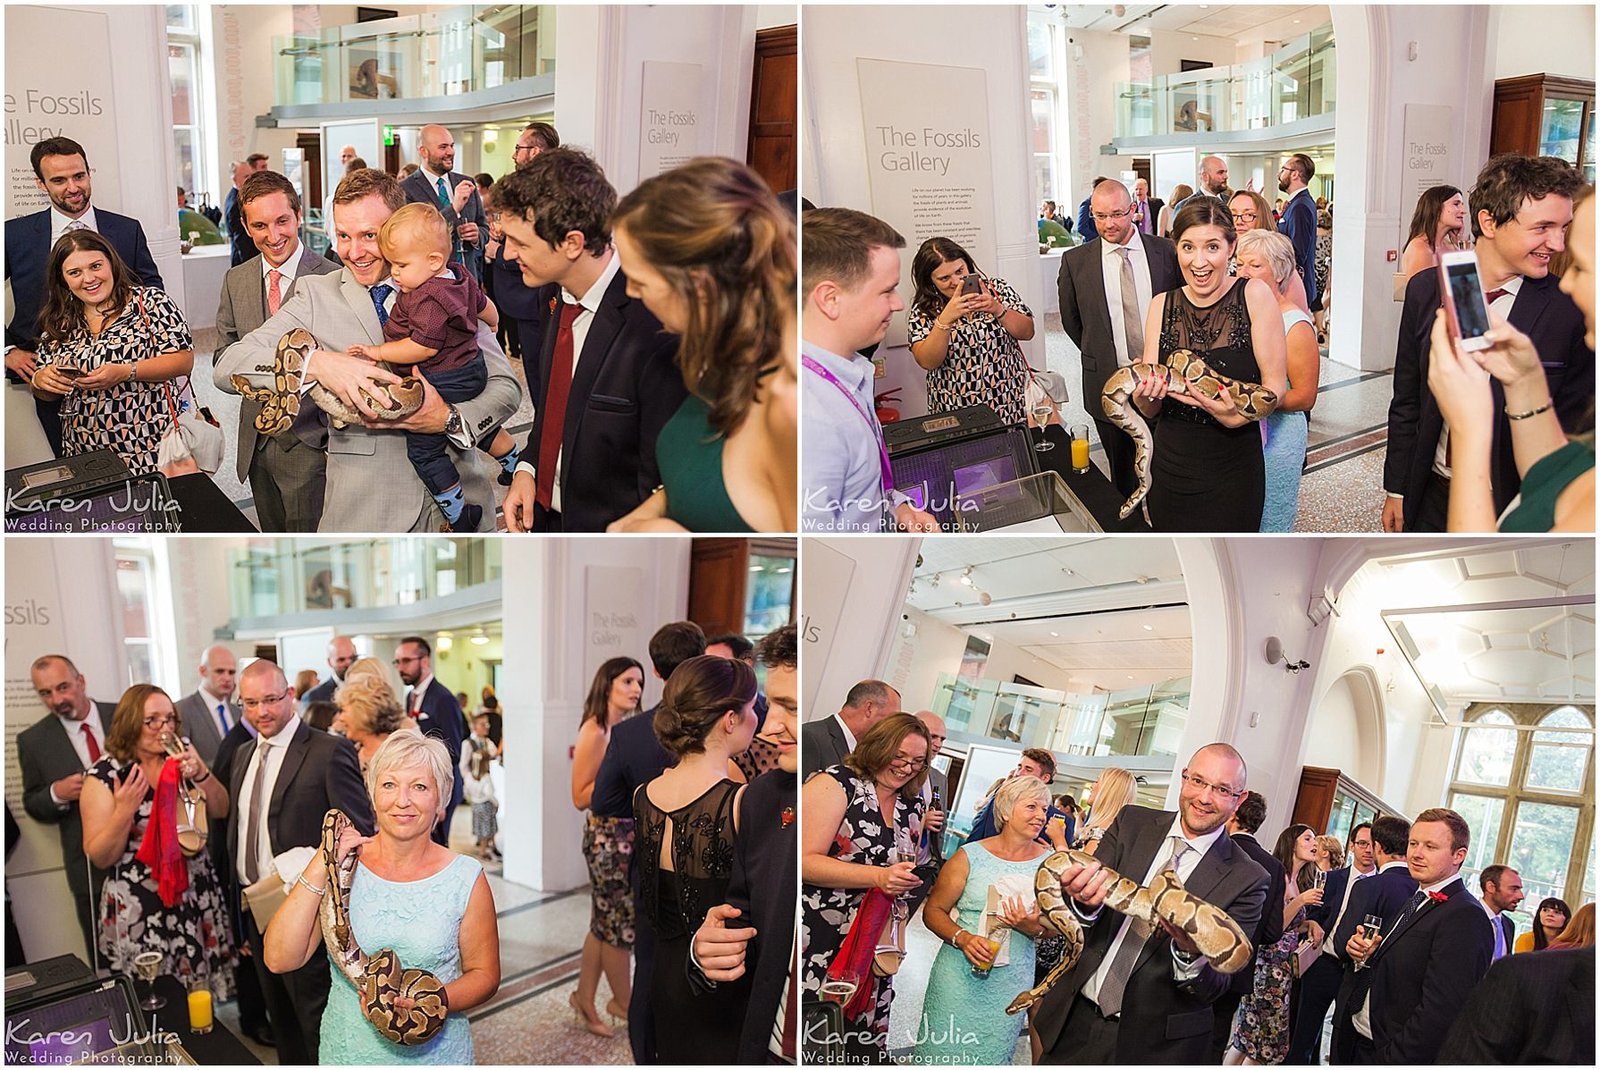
[{"x": 815, "y": 366}]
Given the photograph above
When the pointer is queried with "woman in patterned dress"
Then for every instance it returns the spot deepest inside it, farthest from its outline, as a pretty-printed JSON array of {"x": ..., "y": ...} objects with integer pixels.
[
  {"x": 1261, "y": 1024},
  {"x": 119, "y": 796},
  {"x": 967, "y": 342},
  {"x": 607, "y": 846},
  {"x": 851, "y": 816},
  {"x": 109, "y": 348}
]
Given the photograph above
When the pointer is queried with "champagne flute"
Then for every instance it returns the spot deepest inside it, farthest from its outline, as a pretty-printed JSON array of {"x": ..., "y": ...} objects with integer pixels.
[
  {"x": 147, "y": 964},
  {"x": 1370, "y": 926},
  {"x": 1042, "y": 411},
  {"x": 838, "y": 990}
]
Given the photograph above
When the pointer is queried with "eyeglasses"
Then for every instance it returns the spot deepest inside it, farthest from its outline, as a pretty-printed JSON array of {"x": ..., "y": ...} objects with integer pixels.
[
  {"x": 1245, "y": 217},
  {"x": 1202, "y": 786},
  {"x": 520, "y": 147},
  {"x": 405, "y": 661},
  {"x": 265, "y": 700},
  {"x": 160, "y": 722},
  {"x": 1106, "y": 217},
  {"x": 912, "y": 764}
]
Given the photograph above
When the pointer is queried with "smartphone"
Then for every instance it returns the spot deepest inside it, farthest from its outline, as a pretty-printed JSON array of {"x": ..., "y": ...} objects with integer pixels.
[
  {"x": 972, "y": 284},
  {"x": 71, "y": 371},
  {"x": 1461, "y": 289}
]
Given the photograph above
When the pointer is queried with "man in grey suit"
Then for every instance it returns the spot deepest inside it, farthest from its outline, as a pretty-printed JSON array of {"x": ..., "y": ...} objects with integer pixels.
[
  {"x": 53, "y": 754},
  {"x": 1105, "y": 287},
  {"x": 371, "y": 484},
  {"x": 287, "y": 472},
  {"x": 935, "y": 789},
  {"x": 209, "y": 713},
  {"x": 826, "y": 742},
  {"x": 453, "y": 193}
]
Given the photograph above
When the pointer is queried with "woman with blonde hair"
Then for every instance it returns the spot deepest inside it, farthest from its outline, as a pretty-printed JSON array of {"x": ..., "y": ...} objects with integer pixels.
[
  {"x": 710, "y": 252},
  {"x": 369, "y": 712},
  {"x": 1111, "y": 791},
  {"x": 1330, "y": 853}
]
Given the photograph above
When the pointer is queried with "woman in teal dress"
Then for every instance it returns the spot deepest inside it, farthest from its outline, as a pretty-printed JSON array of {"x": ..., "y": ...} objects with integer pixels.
[
  {"x": 429, "y": 904},
  {"x": 988, "y": 885},
  {"x": 709, "y": 251}
]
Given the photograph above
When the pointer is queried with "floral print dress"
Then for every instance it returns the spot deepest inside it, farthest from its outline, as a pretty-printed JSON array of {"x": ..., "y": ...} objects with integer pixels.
[
  {"x": 1261, "y": 1024},
  {"x": 865, "y": 839}
]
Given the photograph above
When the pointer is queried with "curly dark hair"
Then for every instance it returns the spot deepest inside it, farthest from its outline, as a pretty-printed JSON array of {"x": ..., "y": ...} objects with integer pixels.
[
  {"x": 560, "y": 191},
  {"x": 1509, "y": 179},
  {"x": 931, "y": 255},
  {"x": 780, "y": 649},
  {"x": 716, "y": 235},
  {"x": 700, "y": 692},
  {"x": 62, "y": 314},
  {"x": 597, "y": 707}
]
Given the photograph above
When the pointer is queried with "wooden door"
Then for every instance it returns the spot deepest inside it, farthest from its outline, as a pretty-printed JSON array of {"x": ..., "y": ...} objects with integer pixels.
[{"x": 774, "y": 107}]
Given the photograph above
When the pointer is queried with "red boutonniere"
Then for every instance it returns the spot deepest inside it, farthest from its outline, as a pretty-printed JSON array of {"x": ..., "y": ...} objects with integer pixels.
[
  {"x": 553, "y": 302},
  {"x": 1438, "y": 897},
  {"x": 788, "y": 816}
]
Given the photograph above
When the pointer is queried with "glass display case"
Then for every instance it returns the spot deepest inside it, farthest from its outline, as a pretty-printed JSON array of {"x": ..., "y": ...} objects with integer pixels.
[{"x": 1546, "y": 115}]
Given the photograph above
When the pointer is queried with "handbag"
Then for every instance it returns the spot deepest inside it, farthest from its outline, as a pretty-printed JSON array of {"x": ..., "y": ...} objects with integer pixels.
[
  {"x": 195, "y": 434},
  {"x": 1305, "y": 956}
]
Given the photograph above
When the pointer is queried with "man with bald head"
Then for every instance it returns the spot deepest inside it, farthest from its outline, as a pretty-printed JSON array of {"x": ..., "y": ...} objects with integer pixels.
[
  {"x": 209, "y": 712},
  {"x": 1140, "y": 994},
  {"x": 453, "y": 193},
  {"x": 1213, "y": 182},
  {"x": 341, "y": 655},
  {"x": 826, "y": 742},
  {"x": 283, "y": 782}
]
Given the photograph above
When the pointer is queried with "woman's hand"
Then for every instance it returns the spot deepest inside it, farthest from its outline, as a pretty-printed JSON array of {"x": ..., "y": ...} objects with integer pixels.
[
  {"x": 350, "y": 839},
  {"x": 960, "y": 305},
  {"x": 988, "y": 302},
  {"x": 1015, "y": 914},
  {"x": 1149, "y": 391},
  {"x": 1309, "y": 898},
  {"x": 192, "y": 765},
  {"x": 1222, "y": 408},
  {"x": 105, "y": 377},
  {"x": 131, "y": 792},
  {"x": 1315, "y": 931},
  {"x": 978, "y": 950},
  {"x": 898, "y": 879},
  {"x": 1459, "y": 383},
  {"x": 1511, "y": 358},
  {"x": 49, "y": 380}
]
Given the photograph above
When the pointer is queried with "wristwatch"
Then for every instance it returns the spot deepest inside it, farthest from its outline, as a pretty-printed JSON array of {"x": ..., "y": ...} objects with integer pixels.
[{"x": 453, "y": 423}]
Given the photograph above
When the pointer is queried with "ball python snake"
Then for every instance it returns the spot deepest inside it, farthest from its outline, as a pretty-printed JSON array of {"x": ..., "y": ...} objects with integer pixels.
[
  {"x": 280, "y": 403},
  {"x": 379, "y": 979},
  {"x": 1218, "y": 936},
  {"x": 1185, "y": 373}
]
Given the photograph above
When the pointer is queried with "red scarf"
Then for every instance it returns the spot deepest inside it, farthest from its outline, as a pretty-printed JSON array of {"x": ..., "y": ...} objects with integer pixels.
[
  {"x": 854, "y": 959},
  {"x": 159, "y": 850}
]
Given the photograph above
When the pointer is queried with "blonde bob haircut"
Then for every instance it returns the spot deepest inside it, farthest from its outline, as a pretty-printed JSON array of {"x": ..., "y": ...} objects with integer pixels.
[
  {"x": 409, "y": 748},
  {"x": 1017, "y": 790},
  {"x": 1276, "y": 249},
  {"x": 419, "y": 225}
]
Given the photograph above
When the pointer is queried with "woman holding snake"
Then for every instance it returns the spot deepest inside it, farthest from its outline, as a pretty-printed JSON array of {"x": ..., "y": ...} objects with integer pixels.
[
  {"x": 1261, "y": 1024},
  {"x": 1207, "y": 471},
  {"x": 852, "y": 816},
  {"x": 430, "y": 905}
]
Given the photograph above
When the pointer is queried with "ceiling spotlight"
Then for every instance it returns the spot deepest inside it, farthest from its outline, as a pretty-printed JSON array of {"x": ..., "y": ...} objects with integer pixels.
[
  {"x": 966, "y": 577},
  {"x": 480, "y": 640},
  {"x": 984, "y": 598},
  {"x": 1148, "y": 627},
  {"x": 1056, "y": 635}
]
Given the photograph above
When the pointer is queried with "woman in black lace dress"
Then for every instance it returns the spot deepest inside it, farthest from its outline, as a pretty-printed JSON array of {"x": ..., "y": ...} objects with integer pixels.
[
  {"x": 684, "y": 824},
  {"x": 1206, "y": 471}
]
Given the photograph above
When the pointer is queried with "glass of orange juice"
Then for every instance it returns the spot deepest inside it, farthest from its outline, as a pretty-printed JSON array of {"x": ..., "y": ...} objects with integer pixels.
[
  {"x": 1080, "y": 448},
  {"x": 994, "y": 949},
  {"x": 200, "y": 1012}
]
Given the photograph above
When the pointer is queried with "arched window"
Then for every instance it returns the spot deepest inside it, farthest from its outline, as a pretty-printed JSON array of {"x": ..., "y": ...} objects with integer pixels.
[{"x": 1523, "y": 780}]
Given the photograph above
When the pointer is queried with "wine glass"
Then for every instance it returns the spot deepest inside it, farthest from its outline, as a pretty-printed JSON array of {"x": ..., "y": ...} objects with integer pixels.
[
  {"x": 147, "y": 964},
  {"x": 1042, "y": 411},
  {"x": 839, "y": 989},
  {"x": 1370, "y": 926}
]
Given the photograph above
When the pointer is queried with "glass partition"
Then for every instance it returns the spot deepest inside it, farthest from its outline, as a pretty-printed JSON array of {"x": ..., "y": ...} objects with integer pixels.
[
  {"x": 282, "y": 576},
  {"x": 1147, "y": 721}
]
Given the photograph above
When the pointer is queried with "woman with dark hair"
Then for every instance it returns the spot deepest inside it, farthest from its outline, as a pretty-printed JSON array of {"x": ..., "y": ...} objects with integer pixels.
[
  {"x": 709, "y": 251},
  {"x": 607, "y": 847},
  {"x": 1438, "y": 226},
  {"x": 1548, "y": 921},
  {"x": 1579, "y": 931},
  {"x": 966, "y": 339},
  {"x": 862, "y": 820},
  {"x": 1207, "y": 472},
  {"x": 109, "y": 347},
  {"x": 136, "y": 816},
  {"x": 686, "y": 820},
  {"x": 1261, "y": 1024}
]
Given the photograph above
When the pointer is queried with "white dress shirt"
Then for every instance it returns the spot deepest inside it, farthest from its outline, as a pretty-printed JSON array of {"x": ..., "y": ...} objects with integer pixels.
[
  {"x": 74, "y": 731},
  {"x": 287, "y": 270},
  {"x": 1111, "y": 273},
  {"x": 59, "y": 223},
  {"x": 269, "y": 750},
  {"x": 212, "y": 702}
]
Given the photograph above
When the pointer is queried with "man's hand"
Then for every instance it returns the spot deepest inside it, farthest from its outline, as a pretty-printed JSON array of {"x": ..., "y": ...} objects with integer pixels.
[
  {"x": 429, "y": 419},
  {"x": 519, "y": 502},
  {"x": 347, "y": 377},
  {"x": 1360, "y": 947},
  {"x": 721, "y": 951},
  {"x": 22, "y": 363},
  {"x": 1180, "y": 939},
  {"x": 68, "y": 788},
  {"x": 1394, "y": 514},
  {"x": 1088, "y": 885},
  {"x": 908, "y": 517},
  {"x": 468, "y": 232},
  {"x": 462, "y": 194}
]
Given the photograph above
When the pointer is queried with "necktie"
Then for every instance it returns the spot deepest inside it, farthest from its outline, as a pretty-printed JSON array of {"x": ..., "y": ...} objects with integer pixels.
[
  {"x": 258, "y": 809},
  {"x": 1132, "y": 325},
  {"x": 1411, "y": 908},
  {"x": 88, "y": 738},
  {"x": 222, "y": 717},
  {"x": 444, "y": 192},
  {"x": 76, "y": 224},
  {"x": 274, "y": 291},
  {"x": 1133, "y": 941},
  {"x": 380, "y": 293},
  {"x": 1493, "y": 295},
  {"x": 1499, "y": 938},
  {"x": 1144, "y": 216},
  {"x": 791, "y": 1008},
  {"x": 555, "y": 406}
]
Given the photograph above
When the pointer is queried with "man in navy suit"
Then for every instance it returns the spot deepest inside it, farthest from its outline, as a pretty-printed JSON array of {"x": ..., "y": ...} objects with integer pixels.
[
  {"x": 635, "y": 757},
  {"x": 765, "y": 880},
  {"x": 341, "y": 655},
  {"x": 1528, "y": 1009},
  {"x": 1425, "y": 967},
  {"x": 1299, "y": 222},
  {"x": 1383, "y": 895},
  {"x": 1521, "y": 207},
  {"x": 1320, "y": 982},
  {"x": 607, "y": 382},
  {"x": 436, "y": 184},
  {"x": 436, "y": 712},
  {"x": 1242, "y": 829},
  {"x": 61, "y": 170},
  {"x": 527, "y": 307}
]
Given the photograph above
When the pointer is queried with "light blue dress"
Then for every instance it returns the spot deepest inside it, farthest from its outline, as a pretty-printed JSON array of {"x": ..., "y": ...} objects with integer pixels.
[
  {"x": 1283, "y": 441},
  {"x": 964, "y": 1020},
  {"x": 421, "y": 920}
]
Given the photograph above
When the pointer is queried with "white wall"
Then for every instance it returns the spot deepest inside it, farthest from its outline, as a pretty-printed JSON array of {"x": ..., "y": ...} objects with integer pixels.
[
  {"x": 770, "y": 16},
  {"x": 1167, "y": 47},
  {"x": 1092, "y": 111},
  {"x": 915, "y": 664},
  {"x": 245, "y": 66},
  {"x": 835, "y": 656},
  {"x": 1543, "y": 39}
]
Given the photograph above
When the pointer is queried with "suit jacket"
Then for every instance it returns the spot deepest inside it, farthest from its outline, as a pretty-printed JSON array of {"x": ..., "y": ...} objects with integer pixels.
[
  {"x": 371, "y": 484},
  {"x": 28, "y": 254},
  {"x": 1328, "y": 912},
  {"x": 1153, "y": 206},
  {"x": 941, "y": 784},
  {"x": 1086, "y": 314},
  {"x": 1528, "y": 1009},
  {"x": 1384, "y": 894},
  {"x": 1270, "y": 931},
  {"x": 319, "y": 773},
  {"x": 822, "y": 744},
  {"x": 46, "y": 755},
  {"x": 634, "y": 756},
  {"x": 1424, "y": 971},
  {"x": 1163, "y": 1020},
  {"x": 439, "y": 715},
  {"x": 420, "y": 189},
  {"x": 242, "y": 309},
  {"x": 200, "y": 725},
  {"x": 241, "y": 247},
  {"x": 323, "y": 692},
  {"x": 1554, "y": 324},
  {"x": 1299, "y": 225},
  {"x": 624, "y": 390}
]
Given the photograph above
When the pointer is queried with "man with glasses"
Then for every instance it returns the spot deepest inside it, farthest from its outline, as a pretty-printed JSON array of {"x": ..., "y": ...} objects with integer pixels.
[
  {"x": 1154, "y": 981},
  {"x": 1105, "y": 287},
  {"x": 826, "y": 742},
  {"x": 209, "y": 712},
  {"x": 283, "y": 782},
  {"x": 1299, "y": 221},
  {"x": 437, "y": 713}
]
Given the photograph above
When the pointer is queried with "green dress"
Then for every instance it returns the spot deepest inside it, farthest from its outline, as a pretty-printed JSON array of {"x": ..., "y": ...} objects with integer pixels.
[
  {"x": 964, "y": 1020},
  {"x": 1535, "y": 507},
  {"x": 689, "y": 453}
]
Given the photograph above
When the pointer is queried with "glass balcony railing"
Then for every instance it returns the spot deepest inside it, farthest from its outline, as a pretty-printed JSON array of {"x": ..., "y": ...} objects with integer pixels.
[
  {"x": 273, "y": 577},
  {"x": 1145, "y": 721},
  {"x": 1296, "y": 82},
  {"x": 433, "y": 54}
]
